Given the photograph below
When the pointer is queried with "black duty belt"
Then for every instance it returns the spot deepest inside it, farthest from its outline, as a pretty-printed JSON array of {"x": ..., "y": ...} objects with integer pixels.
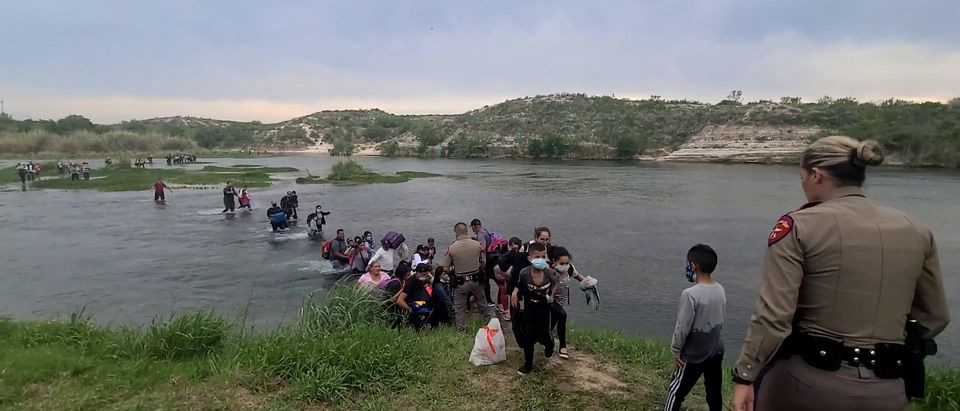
[
  {"x": 886, "y": 360},
  {"x": 471, "y": 276}
]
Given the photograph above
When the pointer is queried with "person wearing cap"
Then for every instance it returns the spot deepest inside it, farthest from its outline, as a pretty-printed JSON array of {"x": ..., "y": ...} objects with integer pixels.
[
  {"x": 415, "y": 297},
  {"x": 483, "y": 236},
  {"x": 465, "y": 259},
  {"x": 842, "y": 279}
]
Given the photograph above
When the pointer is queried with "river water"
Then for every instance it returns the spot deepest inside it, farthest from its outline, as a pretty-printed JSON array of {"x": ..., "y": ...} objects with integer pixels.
[{"x": 126, "y": 260}]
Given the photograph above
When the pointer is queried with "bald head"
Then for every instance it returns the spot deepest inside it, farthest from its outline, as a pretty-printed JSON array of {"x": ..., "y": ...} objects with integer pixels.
[{"x": 460, "y": 229}]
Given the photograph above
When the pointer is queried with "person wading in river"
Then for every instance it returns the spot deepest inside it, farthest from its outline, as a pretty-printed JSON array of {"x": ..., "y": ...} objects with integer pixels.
[
  {"x": 229, "y": 197},
  {"x": 158, "y": 188}
]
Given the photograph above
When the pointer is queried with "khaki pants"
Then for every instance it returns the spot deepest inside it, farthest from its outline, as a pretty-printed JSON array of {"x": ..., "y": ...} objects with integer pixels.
[
  {"x": 792, "y": 385},
  {"x": 461, "y": 297}
]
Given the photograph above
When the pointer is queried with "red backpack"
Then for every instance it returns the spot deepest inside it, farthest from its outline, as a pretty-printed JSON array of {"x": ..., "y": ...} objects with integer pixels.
[{"x": 325, "y": 250}]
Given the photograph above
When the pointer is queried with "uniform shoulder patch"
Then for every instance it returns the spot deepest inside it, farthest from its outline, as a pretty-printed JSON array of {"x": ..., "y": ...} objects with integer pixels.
[{"x": 784, "y": 226}]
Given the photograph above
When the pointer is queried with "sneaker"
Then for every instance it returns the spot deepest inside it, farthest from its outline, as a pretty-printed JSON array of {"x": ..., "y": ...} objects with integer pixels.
[
  {"x": 506, "y": 316},
  {"x": 548, "y": 352},
  {"x": 491, "y": 304},
  {"x": 564, "y": 354},
  {"x": 526, "y": 369}
]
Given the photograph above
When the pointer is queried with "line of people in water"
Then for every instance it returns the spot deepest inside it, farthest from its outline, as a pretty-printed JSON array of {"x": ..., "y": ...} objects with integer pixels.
[
  {"x": 533, "y": 282},
  {"x": 31, "y": 170}
]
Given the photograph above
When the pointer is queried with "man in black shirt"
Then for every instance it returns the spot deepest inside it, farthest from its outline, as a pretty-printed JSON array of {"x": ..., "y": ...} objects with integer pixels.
[{"x": 415, "y": 296}]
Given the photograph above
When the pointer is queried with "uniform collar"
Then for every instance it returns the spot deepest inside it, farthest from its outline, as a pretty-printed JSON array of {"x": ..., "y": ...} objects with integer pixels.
[{"x": 845, "y": 192}]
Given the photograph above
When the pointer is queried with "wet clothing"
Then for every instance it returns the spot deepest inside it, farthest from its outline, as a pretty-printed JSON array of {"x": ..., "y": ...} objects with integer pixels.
[
  {"x": 536, "y": 301},
  {"x": 442, "y": 303},
  {"x": 286, "y": 205},
  {"x": 685, "y": 377},
  {"x": 158, "y": 188},
  {"x": 22, "y": 171},
  {"x": 317, "y": 220},
  {"x": 277, "y": 219},
  {"x": 850, "y": 271},
  {"x": 696, "y": 336},
  {"x": 229, "y": 194},
  {"x": 339, "y": 246},
  {"x": 294, "y": 203},
  {"x": 245, "y": 201}
]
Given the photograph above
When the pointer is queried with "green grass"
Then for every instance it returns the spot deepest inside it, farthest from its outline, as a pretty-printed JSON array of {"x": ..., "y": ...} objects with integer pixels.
[
  {"x": 132, "y": 179},
  {"x": 351, "y": 172},
  {"x": 341, "y": 354}
]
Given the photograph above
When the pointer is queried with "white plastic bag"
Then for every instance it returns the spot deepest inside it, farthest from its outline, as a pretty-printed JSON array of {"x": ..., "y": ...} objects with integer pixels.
[{"x": 489, "y": 347}]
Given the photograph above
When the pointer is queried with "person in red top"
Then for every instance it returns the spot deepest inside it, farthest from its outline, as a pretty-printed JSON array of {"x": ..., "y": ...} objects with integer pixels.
[{"x": 158, "y": 188}]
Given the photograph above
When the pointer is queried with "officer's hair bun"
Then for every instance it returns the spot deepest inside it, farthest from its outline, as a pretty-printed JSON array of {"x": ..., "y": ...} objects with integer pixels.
[{"x": 867, "y": 153}]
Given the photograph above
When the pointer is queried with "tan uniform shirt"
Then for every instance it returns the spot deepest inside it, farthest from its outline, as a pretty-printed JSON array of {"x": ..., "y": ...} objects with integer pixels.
[
  {"x": 846, "y": 268},
  {"x": 465, "y": 255}
]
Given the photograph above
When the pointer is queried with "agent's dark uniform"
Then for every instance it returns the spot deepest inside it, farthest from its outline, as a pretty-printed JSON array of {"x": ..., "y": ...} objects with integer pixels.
[{"x": 839, "y": 280}]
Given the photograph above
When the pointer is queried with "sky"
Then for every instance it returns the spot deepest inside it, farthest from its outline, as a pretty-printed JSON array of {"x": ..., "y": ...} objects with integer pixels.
[{"x": 115, "y": 60}]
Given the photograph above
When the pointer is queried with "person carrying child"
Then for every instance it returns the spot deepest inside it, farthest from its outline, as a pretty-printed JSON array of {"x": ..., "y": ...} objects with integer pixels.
[{"x": 697, "y": 346}]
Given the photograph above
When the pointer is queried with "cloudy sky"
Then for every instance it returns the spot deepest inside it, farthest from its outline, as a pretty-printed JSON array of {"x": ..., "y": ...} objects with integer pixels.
[{"x": 115, "y": 60}]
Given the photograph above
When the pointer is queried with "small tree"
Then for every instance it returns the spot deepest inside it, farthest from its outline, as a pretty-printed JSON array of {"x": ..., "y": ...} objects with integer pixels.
[
  {"x": 342, "y": 148},
  {"x": 375, "y": 132},
  {"x": 389, "y": 148},
  {"x": 735, "y": 96},
  {"x": 790, "y": 100}
]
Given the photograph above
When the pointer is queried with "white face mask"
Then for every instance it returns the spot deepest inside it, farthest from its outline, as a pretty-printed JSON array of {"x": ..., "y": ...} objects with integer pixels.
[{"x": 562, "y": 268}]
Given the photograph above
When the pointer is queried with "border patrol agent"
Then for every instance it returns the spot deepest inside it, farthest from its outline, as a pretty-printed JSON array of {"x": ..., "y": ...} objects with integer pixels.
[
  {"x": 466, "y": 258},
  {"x": 841, "y": 279}
]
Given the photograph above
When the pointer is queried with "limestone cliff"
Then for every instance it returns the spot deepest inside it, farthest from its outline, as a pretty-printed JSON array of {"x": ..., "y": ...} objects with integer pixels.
[{"x": 746, "y": 144}]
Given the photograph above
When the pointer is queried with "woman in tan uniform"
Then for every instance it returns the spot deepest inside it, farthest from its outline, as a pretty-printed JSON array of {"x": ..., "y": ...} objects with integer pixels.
[{"x": 841, "y": 277}]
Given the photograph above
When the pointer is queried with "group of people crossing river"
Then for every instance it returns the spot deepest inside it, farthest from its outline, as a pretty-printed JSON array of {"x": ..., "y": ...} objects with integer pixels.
[{"x": 850, "y": 295}]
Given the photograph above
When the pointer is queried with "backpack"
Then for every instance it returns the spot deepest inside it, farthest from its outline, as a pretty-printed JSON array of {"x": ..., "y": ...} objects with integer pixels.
[
  {"x": 497, "y": 243},
  {"x": 393, "y": 239},
  {"x": 325, "y": 250}
]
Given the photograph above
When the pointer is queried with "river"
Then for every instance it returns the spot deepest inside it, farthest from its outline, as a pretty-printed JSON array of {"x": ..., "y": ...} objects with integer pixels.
[{"x": 126, "y": 260}]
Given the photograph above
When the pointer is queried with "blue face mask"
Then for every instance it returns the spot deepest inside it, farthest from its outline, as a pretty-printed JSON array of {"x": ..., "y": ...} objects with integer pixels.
[
  {"x": 690, "y": 274},
  {"x": 539, "y": 263}
]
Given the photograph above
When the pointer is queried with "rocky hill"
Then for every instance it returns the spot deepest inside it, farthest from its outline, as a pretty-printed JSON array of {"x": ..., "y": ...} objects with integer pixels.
[{"x": 580, "y": 127}]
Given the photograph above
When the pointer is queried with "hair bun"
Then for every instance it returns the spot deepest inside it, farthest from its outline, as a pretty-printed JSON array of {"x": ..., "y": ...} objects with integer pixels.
[{"x": 867, "y": 153}]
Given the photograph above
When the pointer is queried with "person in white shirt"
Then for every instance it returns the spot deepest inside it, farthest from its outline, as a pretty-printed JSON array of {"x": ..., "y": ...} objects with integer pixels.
[{"x": 422, "y": 256}]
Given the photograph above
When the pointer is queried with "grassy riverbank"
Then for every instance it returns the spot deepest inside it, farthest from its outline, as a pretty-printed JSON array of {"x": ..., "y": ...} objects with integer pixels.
[
  {"x": 339, "y": 355},
  {"x": 353, "y": 173},
  {"x": 134, "y": 179}
]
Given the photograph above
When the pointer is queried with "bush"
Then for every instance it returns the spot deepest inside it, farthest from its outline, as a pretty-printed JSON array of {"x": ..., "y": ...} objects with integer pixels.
[
  {"x": 629, "y": 146},
  {"x": 552, "y": 146},
  {"x": 469, "y": 147},
  {"x": 375, "y": 132},
  {"x": 342, "y": 148},
  {"x": 389, "y": 148}
]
